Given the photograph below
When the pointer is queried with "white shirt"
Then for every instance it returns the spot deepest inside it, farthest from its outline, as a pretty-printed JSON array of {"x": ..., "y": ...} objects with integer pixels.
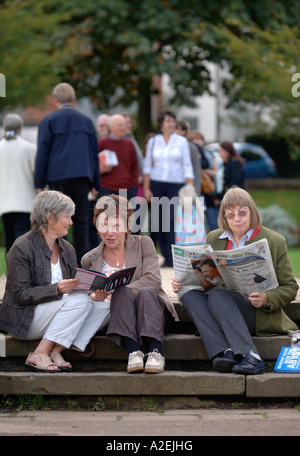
[
  {"x": 168, "y": 162},
  {"x": 245, "y": 238},
  {"x": 17, "y": 192},
  {"x": 56, "y": 272},
  {"x": 108, "y": 270}
]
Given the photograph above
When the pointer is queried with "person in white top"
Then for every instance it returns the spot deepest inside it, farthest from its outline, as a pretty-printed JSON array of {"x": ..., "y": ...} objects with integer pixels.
[
  {"x": 167, "y": 168},
  {"x": 17, "y": 191}
]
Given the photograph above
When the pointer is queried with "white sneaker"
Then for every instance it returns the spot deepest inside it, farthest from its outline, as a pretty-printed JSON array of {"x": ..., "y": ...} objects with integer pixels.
[
  {"x": 155, "y": 363},
  {"x": 135, "y": 362}
]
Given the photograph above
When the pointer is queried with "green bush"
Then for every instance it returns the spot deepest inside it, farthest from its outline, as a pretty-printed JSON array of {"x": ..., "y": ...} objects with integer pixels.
[{"x": 277, "y": 219}]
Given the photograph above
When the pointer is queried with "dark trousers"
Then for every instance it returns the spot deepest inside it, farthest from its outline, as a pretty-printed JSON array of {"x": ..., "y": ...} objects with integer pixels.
[
  {"x": 77, "y": 189},
  {"x": 137, "y": 317},
  {"x": 14, "y": 225},
  {"x": 223, "y": 318},
  {"x": 131, "y": 192},
  {"x": 165, "y": 219}
]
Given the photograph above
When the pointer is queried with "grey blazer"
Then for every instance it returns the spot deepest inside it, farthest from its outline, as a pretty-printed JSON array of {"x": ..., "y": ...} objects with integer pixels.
[
  {"x": 139, "y": 252},
  {"x": 29, "y": 280}
]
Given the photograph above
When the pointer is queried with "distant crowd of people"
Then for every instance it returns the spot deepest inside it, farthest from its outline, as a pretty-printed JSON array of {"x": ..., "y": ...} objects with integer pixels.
[
  {"x": 75, "y": 176},
  {"x": 68, "y": 158}
]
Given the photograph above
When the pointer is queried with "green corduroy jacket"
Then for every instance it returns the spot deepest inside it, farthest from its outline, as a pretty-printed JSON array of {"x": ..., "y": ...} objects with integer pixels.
[{"x": 270, "y": 321}]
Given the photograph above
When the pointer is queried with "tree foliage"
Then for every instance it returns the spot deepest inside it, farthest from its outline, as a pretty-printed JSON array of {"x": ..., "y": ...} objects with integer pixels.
[{"x": 111, "y": 50}]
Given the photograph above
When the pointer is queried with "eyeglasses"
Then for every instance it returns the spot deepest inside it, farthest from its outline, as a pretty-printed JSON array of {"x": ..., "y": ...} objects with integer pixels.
[{"x": 241, "y": 214}]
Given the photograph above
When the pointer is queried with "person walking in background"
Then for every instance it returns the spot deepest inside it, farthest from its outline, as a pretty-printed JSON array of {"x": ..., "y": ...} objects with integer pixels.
[
  {"x": 182, "y": 130},
  {"x": 103, "y": 131},
  {"x": 209, "y": 170},
  {"x": 233, "y": 166},
  {"x": 167, "y": 168},
  {"x": 125, "y": 175},
  {"x": 103, "y": 125},
  {"x": 130, "y": 126},
  {"x": 67, "y": 159},
  {"x": 17, "y": 192}
]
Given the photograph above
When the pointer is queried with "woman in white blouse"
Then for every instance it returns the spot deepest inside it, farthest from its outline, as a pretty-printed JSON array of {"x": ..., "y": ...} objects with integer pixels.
[{"x": 167, "y": 168}]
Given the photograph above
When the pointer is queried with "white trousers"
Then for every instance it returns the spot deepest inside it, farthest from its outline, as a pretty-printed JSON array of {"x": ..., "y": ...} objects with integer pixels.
[{"x": 72, "y": 320}]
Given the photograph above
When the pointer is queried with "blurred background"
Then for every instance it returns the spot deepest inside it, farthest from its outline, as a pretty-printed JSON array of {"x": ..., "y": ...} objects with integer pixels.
[{"x": 231, "y": 69}]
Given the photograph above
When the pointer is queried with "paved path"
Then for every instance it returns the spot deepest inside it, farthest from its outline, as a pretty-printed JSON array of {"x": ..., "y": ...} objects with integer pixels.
[{"x": 176, "y": 423}]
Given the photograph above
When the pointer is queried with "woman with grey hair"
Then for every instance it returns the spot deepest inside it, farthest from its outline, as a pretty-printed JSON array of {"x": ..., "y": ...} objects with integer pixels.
[
  {"x": 17, "y": 192},
  {"x": 38, "y": 303}
]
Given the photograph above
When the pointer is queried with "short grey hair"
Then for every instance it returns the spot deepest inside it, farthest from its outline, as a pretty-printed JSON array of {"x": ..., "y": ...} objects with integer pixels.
[
  {"x": 47, "y": 203},
  {"x": 64, "y": 93},
  {"x": 12, "y": 124}
]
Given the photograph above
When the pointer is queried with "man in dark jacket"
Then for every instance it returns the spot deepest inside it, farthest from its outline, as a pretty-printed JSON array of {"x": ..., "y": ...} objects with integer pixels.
[{"x": 67, "y": 159}]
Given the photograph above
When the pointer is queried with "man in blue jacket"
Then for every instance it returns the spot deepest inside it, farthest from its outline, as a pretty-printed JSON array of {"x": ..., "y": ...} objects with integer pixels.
[{"x": 67, "y": 159}]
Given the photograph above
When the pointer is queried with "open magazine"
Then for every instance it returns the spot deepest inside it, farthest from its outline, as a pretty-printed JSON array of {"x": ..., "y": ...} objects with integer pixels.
[
  {"x": 245, "y": 269},
  {"x": 93, "y": 280}
]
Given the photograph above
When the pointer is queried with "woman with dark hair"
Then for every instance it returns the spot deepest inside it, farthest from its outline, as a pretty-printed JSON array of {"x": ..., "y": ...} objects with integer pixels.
[
  {"x": 233, "y": 166},
  {"x": 167, "y": 168}
]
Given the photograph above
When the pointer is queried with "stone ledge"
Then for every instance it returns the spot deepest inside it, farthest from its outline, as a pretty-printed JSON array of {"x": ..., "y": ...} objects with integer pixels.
[
  {"x": 177, "y": 347},
  {"x": 170, "y": 383},
  {"x": 273, "y": 385}
]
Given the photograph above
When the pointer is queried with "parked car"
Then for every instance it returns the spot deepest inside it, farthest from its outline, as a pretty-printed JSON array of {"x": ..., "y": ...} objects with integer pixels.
[{"x": 258, "y": 163}]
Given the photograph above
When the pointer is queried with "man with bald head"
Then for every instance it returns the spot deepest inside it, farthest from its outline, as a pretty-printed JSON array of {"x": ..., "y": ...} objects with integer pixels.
[{"x": 125, "y": 175}]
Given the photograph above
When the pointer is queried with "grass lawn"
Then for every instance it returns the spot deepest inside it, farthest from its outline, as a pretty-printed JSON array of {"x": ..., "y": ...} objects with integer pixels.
[{"x": 287, "y": 199}]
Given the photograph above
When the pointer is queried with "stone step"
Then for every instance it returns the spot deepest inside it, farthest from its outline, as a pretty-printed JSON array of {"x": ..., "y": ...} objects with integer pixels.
[
  {"x": 177, "y": 347},
  {"x": 168, "y": 384},
  {"x": 104, "y": 374}
]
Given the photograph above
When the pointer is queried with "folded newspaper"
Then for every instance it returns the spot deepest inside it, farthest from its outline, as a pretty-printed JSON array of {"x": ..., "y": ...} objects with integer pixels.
[{"x": 244, "y": 269}]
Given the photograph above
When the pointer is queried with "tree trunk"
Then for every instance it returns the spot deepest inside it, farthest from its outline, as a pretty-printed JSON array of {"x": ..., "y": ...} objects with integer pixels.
[{"x": 144, "y": 119}]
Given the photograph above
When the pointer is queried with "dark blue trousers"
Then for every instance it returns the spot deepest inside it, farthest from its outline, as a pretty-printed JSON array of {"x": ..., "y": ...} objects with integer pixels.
[
  {"x": 77, "y": 189},
  {"x": 165, "y": 221}
]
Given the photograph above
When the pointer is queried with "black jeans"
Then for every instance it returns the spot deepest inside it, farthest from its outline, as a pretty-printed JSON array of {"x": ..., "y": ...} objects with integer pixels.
[
  {"x": 77, "y": 189},
  {"x": 14, "y": 225},
  {"x": 165, "y": 216}
]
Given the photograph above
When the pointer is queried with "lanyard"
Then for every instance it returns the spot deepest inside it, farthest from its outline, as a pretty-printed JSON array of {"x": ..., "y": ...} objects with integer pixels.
[{"x": 254, "y": 234}]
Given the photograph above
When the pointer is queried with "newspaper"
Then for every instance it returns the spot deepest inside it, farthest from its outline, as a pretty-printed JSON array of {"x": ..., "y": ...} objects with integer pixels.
[{"x": 245, "y": 269}]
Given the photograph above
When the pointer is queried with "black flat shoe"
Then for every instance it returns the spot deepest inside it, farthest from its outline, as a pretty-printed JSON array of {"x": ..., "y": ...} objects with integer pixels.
[
  {"x": 249, "y": 366},
  {"x": 225, "y": 362},
  {"x": 166, "y": 264}
]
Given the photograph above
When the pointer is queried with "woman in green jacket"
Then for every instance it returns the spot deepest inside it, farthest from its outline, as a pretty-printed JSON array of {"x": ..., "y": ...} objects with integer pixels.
[{"x": 225, "y": 319}]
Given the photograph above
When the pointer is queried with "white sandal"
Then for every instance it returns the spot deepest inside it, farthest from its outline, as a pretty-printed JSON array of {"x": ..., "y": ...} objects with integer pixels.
[
  {"x": 58, "y": 360},
  {"x": 42, "y": 366}
]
